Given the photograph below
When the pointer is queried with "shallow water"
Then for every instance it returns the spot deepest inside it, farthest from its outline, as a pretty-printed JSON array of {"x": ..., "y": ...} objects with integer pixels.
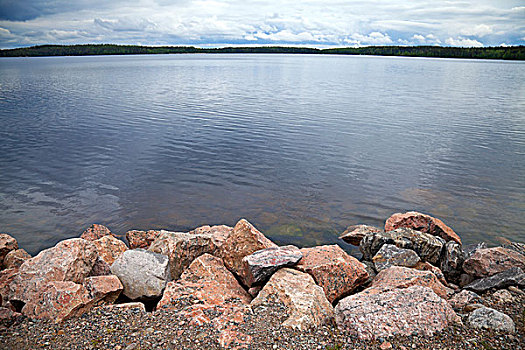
[{"x": 300, "y": 145}]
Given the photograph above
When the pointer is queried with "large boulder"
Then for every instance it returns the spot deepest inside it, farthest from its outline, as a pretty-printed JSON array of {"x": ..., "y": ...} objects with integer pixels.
[
  {"x": 334, "y": 270},
  {"x": 415, "y": 310},
  {"x": 70, "y": 260},
  {"x": 103, "y": 289},
  {"x": 389, "y": 255},
  {"x": 205, "y": 281},
  {"x": 427, "y": 246},
  {"x": 182, "y": 248},
  {"x": 243, "y": 240},
  {"x": 511, "y": 277},
  {"x": 402, "y": 277},
  {"x": 143, "y": 274},
  {"x": 305, "y": 301},
  {"x": 452, "y": 260},
  {"x": 219, "y": 234},
  {"x": 15, "y": 258},
  {"x": 355, "y": 233},
  {"x": 141, "y": 239},
  {"x": 487, "y": 318},
  {"x": 57, "y": 301},
  {"x": 7, "y": 244},
  {"x": 109, "y": 248},
  {"x": 259, "y": 266},
  {"x": 490, "y": 261},
  {"x": 95, "y": 232},
  {"x": 421, "y": 222}
]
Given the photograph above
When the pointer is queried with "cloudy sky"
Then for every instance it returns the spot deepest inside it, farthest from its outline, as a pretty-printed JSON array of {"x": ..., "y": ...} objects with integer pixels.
[{"x": 263, "y": 22}]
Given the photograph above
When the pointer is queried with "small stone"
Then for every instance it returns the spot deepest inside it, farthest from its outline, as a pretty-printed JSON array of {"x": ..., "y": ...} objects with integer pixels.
[
  {"x": 487, "y": 318},
  {"x": 385, "y": 345},
  {"x": 472, "y": 307},
  {"x": 503, "y": 296},
  {"x": 463, "y": 298},
  {"x": 127, "y": 306}
]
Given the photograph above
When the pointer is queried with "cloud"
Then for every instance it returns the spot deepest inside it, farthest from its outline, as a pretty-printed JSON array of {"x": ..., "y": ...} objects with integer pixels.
[
  {"x": 479, "y": 30},
  {"x": 374, "y": 38},
  {"x": 463, "y": 42}
]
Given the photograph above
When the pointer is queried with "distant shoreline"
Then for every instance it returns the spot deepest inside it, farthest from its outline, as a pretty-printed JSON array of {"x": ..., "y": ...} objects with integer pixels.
[{"x": 495, "y": 53}]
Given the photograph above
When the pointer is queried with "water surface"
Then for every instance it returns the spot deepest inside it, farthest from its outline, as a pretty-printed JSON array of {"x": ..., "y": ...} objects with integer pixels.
[{"x": 300, "y": 145}]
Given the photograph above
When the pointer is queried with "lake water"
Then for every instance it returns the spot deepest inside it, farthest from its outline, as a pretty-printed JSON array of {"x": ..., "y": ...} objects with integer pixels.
[{"x": 300, "y": 145}]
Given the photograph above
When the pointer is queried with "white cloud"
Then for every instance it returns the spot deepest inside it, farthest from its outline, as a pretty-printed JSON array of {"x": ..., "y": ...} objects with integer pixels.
[
  {"x": 463, "y": 42},
  {"x": 374, "y": 38},
  {"x": 479, "y": 30}
]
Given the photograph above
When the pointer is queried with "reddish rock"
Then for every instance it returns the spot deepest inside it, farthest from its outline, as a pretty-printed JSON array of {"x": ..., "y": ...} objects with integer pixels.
[
  {"x": 57, "y": 301},
  {"x": 109, "y": 248},
  {"x": 206, "y": 280},
  {"x": 103, "y": 289},
  {"x": 354, "y": 234},
  {"x": 100, "y": 268},
  {"x": 421, "y": 222},
  {"x": 95, "y": 232},
  {"x": 426, "y": 266},
  {"x": 402, "y": 277},
  {"x": 15, "y": 258},
  {"x": 305, "y": 301},
  {"x": 464, "y": 298},
  {"x": 335, "y": 271},
  {"x": 415, "y": 310},
  {"x": 490, "y": 261},
  {"x": 7, "y": 244},
  {"x": 259, "y": 266},
  {"x": 243, "y": 240},
  {"x": 219, "y": 234},
  {"x": 70, "y": 260},
  {"x": 6, "y": 277},
  {"x": 181, "y": 249},
  {"x": 141, "y": 239}
]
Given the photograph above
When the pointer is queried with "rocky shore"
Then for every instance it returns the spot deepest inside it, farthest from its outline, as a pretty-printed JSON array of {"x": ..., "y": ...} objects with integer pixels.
[{"x": 415, "y": 287}]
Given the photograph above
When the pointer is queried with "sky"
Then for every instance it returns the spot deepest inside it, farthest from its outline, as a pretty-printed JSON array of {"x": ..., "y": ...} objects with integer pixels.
[{"x": 217, "y": 23}]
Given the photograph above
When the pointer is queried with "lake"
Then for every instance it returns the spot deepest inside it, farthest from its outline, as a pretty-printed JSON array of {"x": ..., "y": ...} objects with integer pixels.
[{"x": 300, "y": 145}]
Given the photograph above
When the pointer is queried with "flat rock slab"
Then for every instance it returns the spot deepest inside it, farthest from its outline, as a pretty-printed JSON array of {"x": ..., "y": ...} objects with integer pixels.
[
  {"x": 487, "y": 318},
  {"x": 427, "y": 246},
  {"x": 414, "y": 310},
  {"x": 511, "y": 277},
  {"x": 109, "y": 248},
  {"x": 70, "y": 260},
  {"x": 95, "y": 232},
  {"x": 143, "y": 274},
  {"x": 141, "y": 239},
  {"x": 389, "y": 255},
  {"x": 206, "y": 281},
  {"x": 490, "y": 261},
  {"x": 421, "y": 222},
  {"x": 355, "y": 233},
  {"x": 259, "y": 266},
  {"x": 402, "y": 277},
  {"x": 333, "y": 269}
]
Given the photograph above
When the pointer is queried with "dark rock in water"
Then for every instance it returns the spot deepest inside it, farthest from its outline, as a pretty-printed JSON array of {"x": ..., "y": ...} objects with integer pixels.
[
  {"x": 511, "y": 277},
  {"x": 415, "y": 310},
  {"x": 143, "y": 274},
  {"x": 427, "y": 246},
  {"x": 452, "y": 261},
  {"x": 259, "y": 266},
  {"x": 355, "y": 233},
  {"x": 389, "y": 255},
  {"x": 490, "y": 261},
  {"x": 421, "y": 222},
  {"x": 487, "y": 318}
]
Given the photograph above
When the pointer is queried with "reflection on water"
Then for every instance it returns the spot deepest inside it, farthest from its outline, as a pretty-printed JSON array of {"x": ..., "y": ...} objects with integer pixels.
[{"x": 302, "y": 146}]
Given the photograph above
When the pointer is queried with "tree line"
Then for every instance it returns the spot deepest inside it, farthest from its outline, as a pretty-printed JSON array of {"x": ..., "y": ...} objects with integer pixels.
[{"x": 502, "y": 53}]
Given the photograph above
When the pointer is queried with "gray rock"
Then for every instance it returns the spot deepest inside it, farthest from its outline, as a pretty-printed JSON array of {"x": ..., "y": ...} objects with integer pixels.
[
  {"x": 452, "y": 260},
  {"x": 517, "y": 247},
  {"x": 355, "y": 233},
  {"x": 389, "y": 255},
  {"x": 428, "y": 247},
  {"x": 487, "y": 318},
  {"x": 259, "y": 266},
  {"x": 511, "y": 277},
  {"x": 370, "y": 269},
  {"x": 143, "y": 274}
]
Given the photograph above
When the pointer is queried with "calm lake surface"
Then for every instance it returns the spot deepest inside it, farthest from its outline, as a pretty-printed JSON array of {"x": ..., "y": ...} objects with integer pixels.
[{"x": 300, "y": 145}]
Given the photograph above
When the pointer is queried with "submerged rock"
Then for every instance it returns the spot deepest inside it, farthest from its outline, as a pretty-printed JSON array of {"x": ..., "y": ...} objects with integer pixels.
[
  {"x": 415, "y": 310},
  {"x": 334, "y": 270},
  {"x": 95, "y": 232},
  {"x": 427, "y": 247},
  {"x": 305, "y": 301},
  {"x": 354, "y": 234},
  {"x": 490, "y": 261},
  {"x": 511, "y": 277},
  {"x": 259, "y": 266},
  {"x": 487, "y": 318},
  {"x": 389, "y": 255},
  {"x": 143, "y": 274},
  {"x": 421, "y": 222}
]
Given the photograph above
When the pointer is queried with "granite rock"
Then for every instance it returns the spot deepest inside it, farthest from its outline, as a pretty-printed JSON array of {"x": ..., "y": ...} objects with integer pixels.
[
  {"x": 15, "y": 258},
  {"x": 103, "y": 289},
  {"x": 389, "y": 255},
  {"x": 355, "y": 233},
  {"x": 487, "y": 318},
  {"x": 7, "y": 244},
  {"x": 109, "y": 248},
  {"x": 141, "y": 239},
  {"x": 490, "y": 261},
  {"x": 95, "y": 232},
  {"x": 511, "y": 277}
]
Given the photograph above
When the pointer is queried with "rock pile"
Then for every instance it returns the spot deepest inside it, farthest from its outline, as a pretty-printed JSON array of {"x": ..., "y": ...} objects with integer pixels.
[{"x": 408, "y": 281}]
